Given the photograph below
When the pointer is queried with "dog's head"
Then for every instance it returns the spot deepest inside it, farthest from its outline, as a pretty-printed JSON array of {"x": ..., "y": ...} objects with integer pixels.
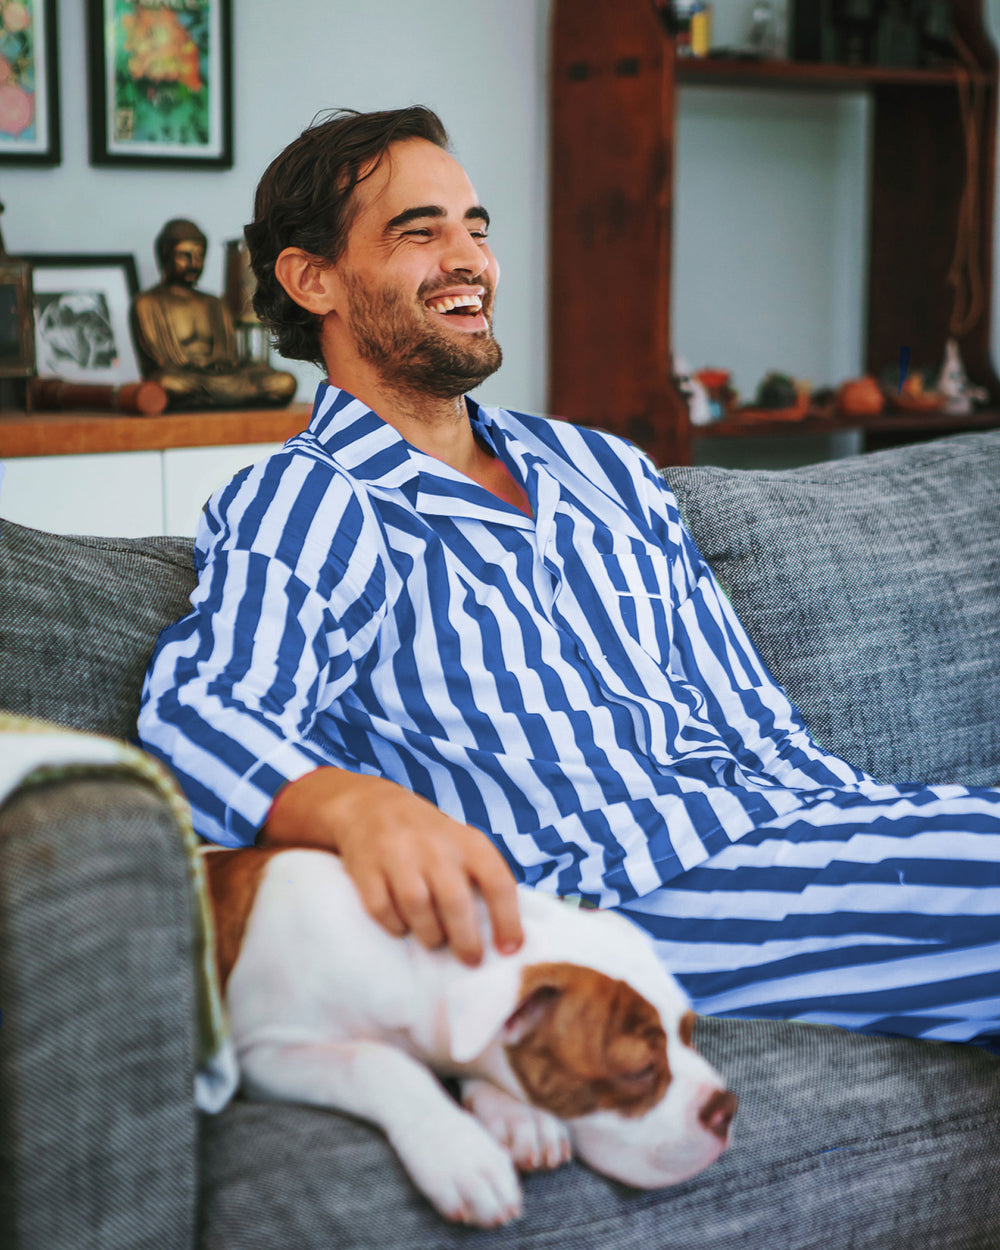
[{"x": 643, "y": 1106}]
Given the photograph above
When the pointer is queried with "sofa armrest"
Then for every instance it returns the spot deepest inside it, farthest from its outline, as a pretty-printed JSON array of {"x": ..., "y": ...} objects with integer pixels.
[{"x": 98, "y": 1128}]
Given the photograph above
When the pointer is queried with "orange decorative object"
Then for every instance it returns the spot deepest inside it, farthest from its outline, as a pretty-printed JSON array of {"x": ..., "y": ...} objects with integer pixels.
[
  {"x": 861, "y": 397},
  {"x": 912, "y": 397}
]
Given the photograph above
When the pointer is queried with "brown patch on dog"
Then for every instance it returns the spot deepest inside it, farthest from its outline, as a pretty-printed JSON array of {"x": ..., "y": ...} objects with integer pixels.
[
  {"x": 585, "y": 1042},
  {"x": 233, "y": 877}
]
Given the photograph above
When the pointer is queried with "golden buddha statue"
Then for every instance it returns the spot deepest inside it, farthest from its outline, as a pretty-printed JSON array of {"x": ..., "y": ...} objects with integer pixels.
[{"x": 185, "y": 337}]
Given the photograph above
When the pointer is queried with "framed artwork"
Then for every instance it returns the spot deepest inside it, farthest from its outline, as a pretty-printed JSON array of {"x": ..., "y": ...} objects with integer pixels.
[
  {"x": 29, "y": 84},
  {"x": 17, "y": 343},
  {"x": 161, "y": 83},
  {"x": 82, "y": 317}
]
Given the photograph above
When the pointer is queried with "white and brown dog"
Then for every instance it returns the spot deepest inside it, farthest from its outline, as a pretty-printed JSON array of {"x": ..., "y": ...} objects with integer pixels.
[{"x": 579, "y": 1042}]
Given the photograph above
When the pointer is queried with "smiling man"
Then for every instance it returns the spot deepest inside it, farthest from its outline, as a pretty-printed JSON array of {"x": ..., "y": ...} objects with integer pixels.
[
  {"x": 406, "y": 312},
  {"x": 459, "y": 645}
]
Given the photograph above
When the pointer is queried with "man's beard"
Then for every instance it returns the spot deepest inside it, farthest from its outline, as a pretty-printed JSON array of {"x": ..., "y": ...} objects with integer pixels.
[{"x": 414, "y": 356}]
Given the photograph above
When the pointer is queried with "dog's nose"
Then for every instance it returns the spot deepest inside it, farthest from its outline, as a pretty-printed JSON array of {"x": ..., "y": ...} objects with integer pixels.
[{"x": 717, "y": 1112}]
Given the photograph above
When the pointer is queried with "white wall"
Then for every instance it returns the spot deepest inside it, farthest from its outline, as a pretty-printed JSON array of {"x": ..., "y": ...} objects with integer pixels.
[
  {"x": 771, "y": 187},
  {"x": 770, "y": 227},
  {"x": 479, "y": 63}
]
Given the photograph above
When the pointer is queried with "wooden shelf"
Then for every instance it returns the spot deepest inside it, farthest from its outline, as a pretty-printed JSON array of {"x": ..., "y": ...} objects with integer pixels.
[
  {"x": 817, "y": 76},
  {"x": 615, "y": 85},
  {"x": 753, "y": 423},
  {"x": 82, "y": 433}
]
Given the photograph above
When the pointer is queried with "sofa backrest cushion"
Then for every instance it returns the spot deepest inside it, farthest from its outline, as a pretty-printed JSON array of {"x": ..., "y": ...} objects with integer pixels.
[
  {"x": 78, "y": 620},
  {"x": 871, "y": 587}
]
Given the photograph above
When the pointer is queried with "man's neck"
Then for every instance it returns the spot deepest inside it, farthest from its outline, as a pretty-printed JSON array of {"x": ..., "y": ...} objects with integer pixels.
[{"x": 439, "y": 427}]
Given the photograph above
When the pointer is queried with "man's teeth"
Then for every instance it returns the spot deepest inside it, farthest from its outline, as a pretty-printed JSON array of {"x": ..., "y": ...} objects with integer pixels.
[{"x": 447, "y": 302}]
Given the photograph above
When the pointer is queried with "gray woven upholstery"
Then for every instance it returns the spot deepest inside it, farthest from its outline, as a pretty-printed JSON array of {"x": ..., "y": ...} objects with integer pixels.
[
  {"x": 78, "y": 621},
  {"x": 97, "y": 1043},
  {"x": 840, "y": 1142},
  {"x": 871, "y": 586}
]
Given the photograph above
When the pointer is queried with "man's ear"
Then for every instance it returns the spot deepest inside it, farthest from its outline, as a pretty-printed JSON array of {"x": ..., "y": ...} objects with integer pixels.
[{"x": 310, "y": 282}]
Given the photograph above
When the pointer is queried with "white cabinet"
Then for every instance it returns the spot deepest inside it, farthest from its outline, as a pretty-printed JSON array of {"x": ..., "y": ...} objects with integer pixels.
[
  {"x": 112, "y": 493},
  {"x": 120, "y": 494}
]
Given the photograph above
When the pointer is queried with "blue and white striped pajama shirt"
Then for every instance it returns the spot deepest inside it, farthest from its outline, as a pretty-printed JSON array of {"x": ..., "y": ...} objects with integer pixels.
[{"x": 575, "y": 685}]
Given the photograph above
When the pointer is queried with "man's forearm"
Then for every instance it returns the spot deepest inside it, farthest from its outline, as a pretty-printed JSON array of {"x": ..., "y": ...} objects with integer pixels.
[{"x": 311, "y": 810}]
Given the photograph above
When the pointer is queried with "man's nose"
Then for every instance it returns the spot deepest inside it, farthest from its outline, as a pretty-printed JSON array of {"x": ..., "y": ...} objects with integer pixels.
[{"x": 462, "y": 254}]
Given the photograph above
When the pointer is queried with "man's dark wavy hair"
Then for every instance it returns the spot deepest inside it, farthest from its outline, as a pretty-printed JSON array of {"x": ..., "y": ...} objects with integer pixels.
[{"x": 305, "y": 199}]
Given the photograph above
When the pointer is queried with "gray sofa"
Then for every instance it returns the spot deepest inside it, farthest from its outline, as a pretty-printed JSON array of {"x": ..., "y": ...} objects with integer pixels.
[{"x": 871, "y": 585}]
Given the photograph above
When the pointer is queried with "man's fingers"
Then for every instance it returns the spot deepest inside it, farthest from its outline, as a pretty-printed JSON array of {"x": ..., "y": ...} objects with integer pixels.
[
  {"x": 456, "y": 909},
  {"x": 418, "y": 908},
  {"x": 379, "y": 903},
  {"x": 499, "y": 890},
  {"x": 424, "y": 880}
]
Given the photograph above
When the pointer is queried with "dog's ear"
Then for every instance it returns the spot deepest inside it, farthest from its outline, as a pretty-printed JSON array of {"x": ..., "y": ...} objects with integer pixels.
[
  {"x": 477, "y": 1006},
  {"x": 532, "y": 1011}
]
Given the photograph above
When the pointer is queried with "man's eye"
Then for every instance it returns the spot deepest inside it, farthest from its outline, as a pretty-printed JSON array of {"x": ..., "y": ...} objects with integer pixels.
[{"x": 410, "y": 233}]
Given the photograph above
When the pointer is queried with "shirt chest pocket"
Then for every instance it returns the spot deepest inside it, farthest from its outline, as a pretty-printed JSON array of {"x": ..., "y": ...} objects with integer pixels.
[{"x": 637, "y": 595}]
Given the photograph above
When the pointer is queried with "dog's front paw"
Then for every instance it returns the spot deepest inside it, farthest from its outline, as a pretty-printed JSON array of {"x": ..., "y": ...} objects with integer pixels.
[
  {"x": 534, "y": 1138},
  {"x": 462, "y": 1171}
]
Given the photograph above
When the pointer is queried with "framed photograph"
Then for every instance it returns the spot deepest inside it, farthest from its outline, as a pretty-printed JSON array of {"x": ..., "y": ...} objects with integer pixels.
[
  {"x": 29, "y": 84},
  {"x": 161, "y": 83},
  {"x": 82, "y": 317},
  {"x": 17, "y": 342}
]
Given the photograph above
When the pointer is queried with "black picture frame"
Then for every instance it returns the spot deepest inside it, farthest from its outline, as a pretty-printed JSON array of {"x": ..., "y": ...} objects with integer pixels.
[
  {"x": 30, "y": 132},
  {"x": 17, "y": 342},
  {"x": 175, "y": 111},
  {"x": 74, "y": 293}
]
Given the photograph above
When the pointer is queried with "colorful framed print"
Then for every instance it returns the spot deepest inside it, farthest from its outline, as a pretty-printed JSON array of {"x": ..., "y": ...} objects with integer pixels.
[
  {"x": 82, "y": 317},
  {"x": 29, "y": 83},
  {"x": 161, "y": 83}
]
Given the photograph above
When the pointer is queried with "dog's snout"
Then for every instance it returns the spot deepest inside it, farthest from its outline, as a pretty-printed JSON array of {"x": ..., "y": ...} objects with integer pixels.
[{"x": 717, "y": 1112}]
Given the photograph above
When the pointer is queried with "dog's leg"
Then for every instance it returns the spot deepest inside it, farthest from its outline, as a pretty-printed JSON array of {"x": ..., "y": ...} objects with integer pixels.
[
  {"x": 454, "y": 1163},
  {"x": 534, "y": 1138}
]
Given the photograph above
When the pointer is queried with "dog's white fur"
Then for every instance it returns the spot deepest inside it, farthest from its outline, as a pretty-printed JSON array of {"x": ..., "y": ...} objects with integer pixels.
[{"x": 328, "y": 1009}]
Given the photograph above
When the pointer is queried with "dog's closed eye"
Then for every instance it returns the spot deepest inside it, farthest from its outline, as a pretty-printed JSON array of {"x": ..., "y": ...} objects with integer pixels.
[{"x": 639, "y": 1078}]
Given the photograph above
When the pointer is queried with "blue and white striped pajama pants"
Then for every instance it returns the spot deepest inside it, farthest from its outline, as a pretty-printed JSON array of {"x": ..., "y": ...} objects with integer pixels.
[{"x": 876, "y": 912}]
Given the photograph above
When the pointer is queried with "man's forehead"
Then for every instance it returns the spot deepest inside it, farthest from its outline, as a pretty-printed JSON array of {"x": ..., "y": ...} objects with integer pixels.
[{"x": 413, "y": 175}]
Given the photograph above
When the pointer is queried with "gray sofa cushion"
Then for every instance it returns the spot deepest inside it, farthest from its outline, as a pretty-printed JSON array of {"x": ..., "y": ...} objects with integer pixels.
[
  {"x": 840, "y": 1141},
  {"x": 78, "y": 620},
  {"x": 871, "y": 587}
]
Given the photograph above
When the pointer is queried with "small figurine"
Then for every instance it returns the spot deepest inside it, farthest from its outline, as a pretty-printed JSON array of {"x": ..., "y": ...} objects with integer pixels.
[
  {"x": 699, "y": 407},
  {"x": 185, "y": 337},
  {"x": 776, "y": 391},
  {"x": 953, "y": 383}
]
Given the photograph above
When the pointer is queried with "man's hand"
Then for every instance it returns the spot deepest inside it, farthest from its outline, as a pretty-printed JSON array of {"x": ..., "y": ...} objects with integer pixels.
[{"x": 415, "y": 868}]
